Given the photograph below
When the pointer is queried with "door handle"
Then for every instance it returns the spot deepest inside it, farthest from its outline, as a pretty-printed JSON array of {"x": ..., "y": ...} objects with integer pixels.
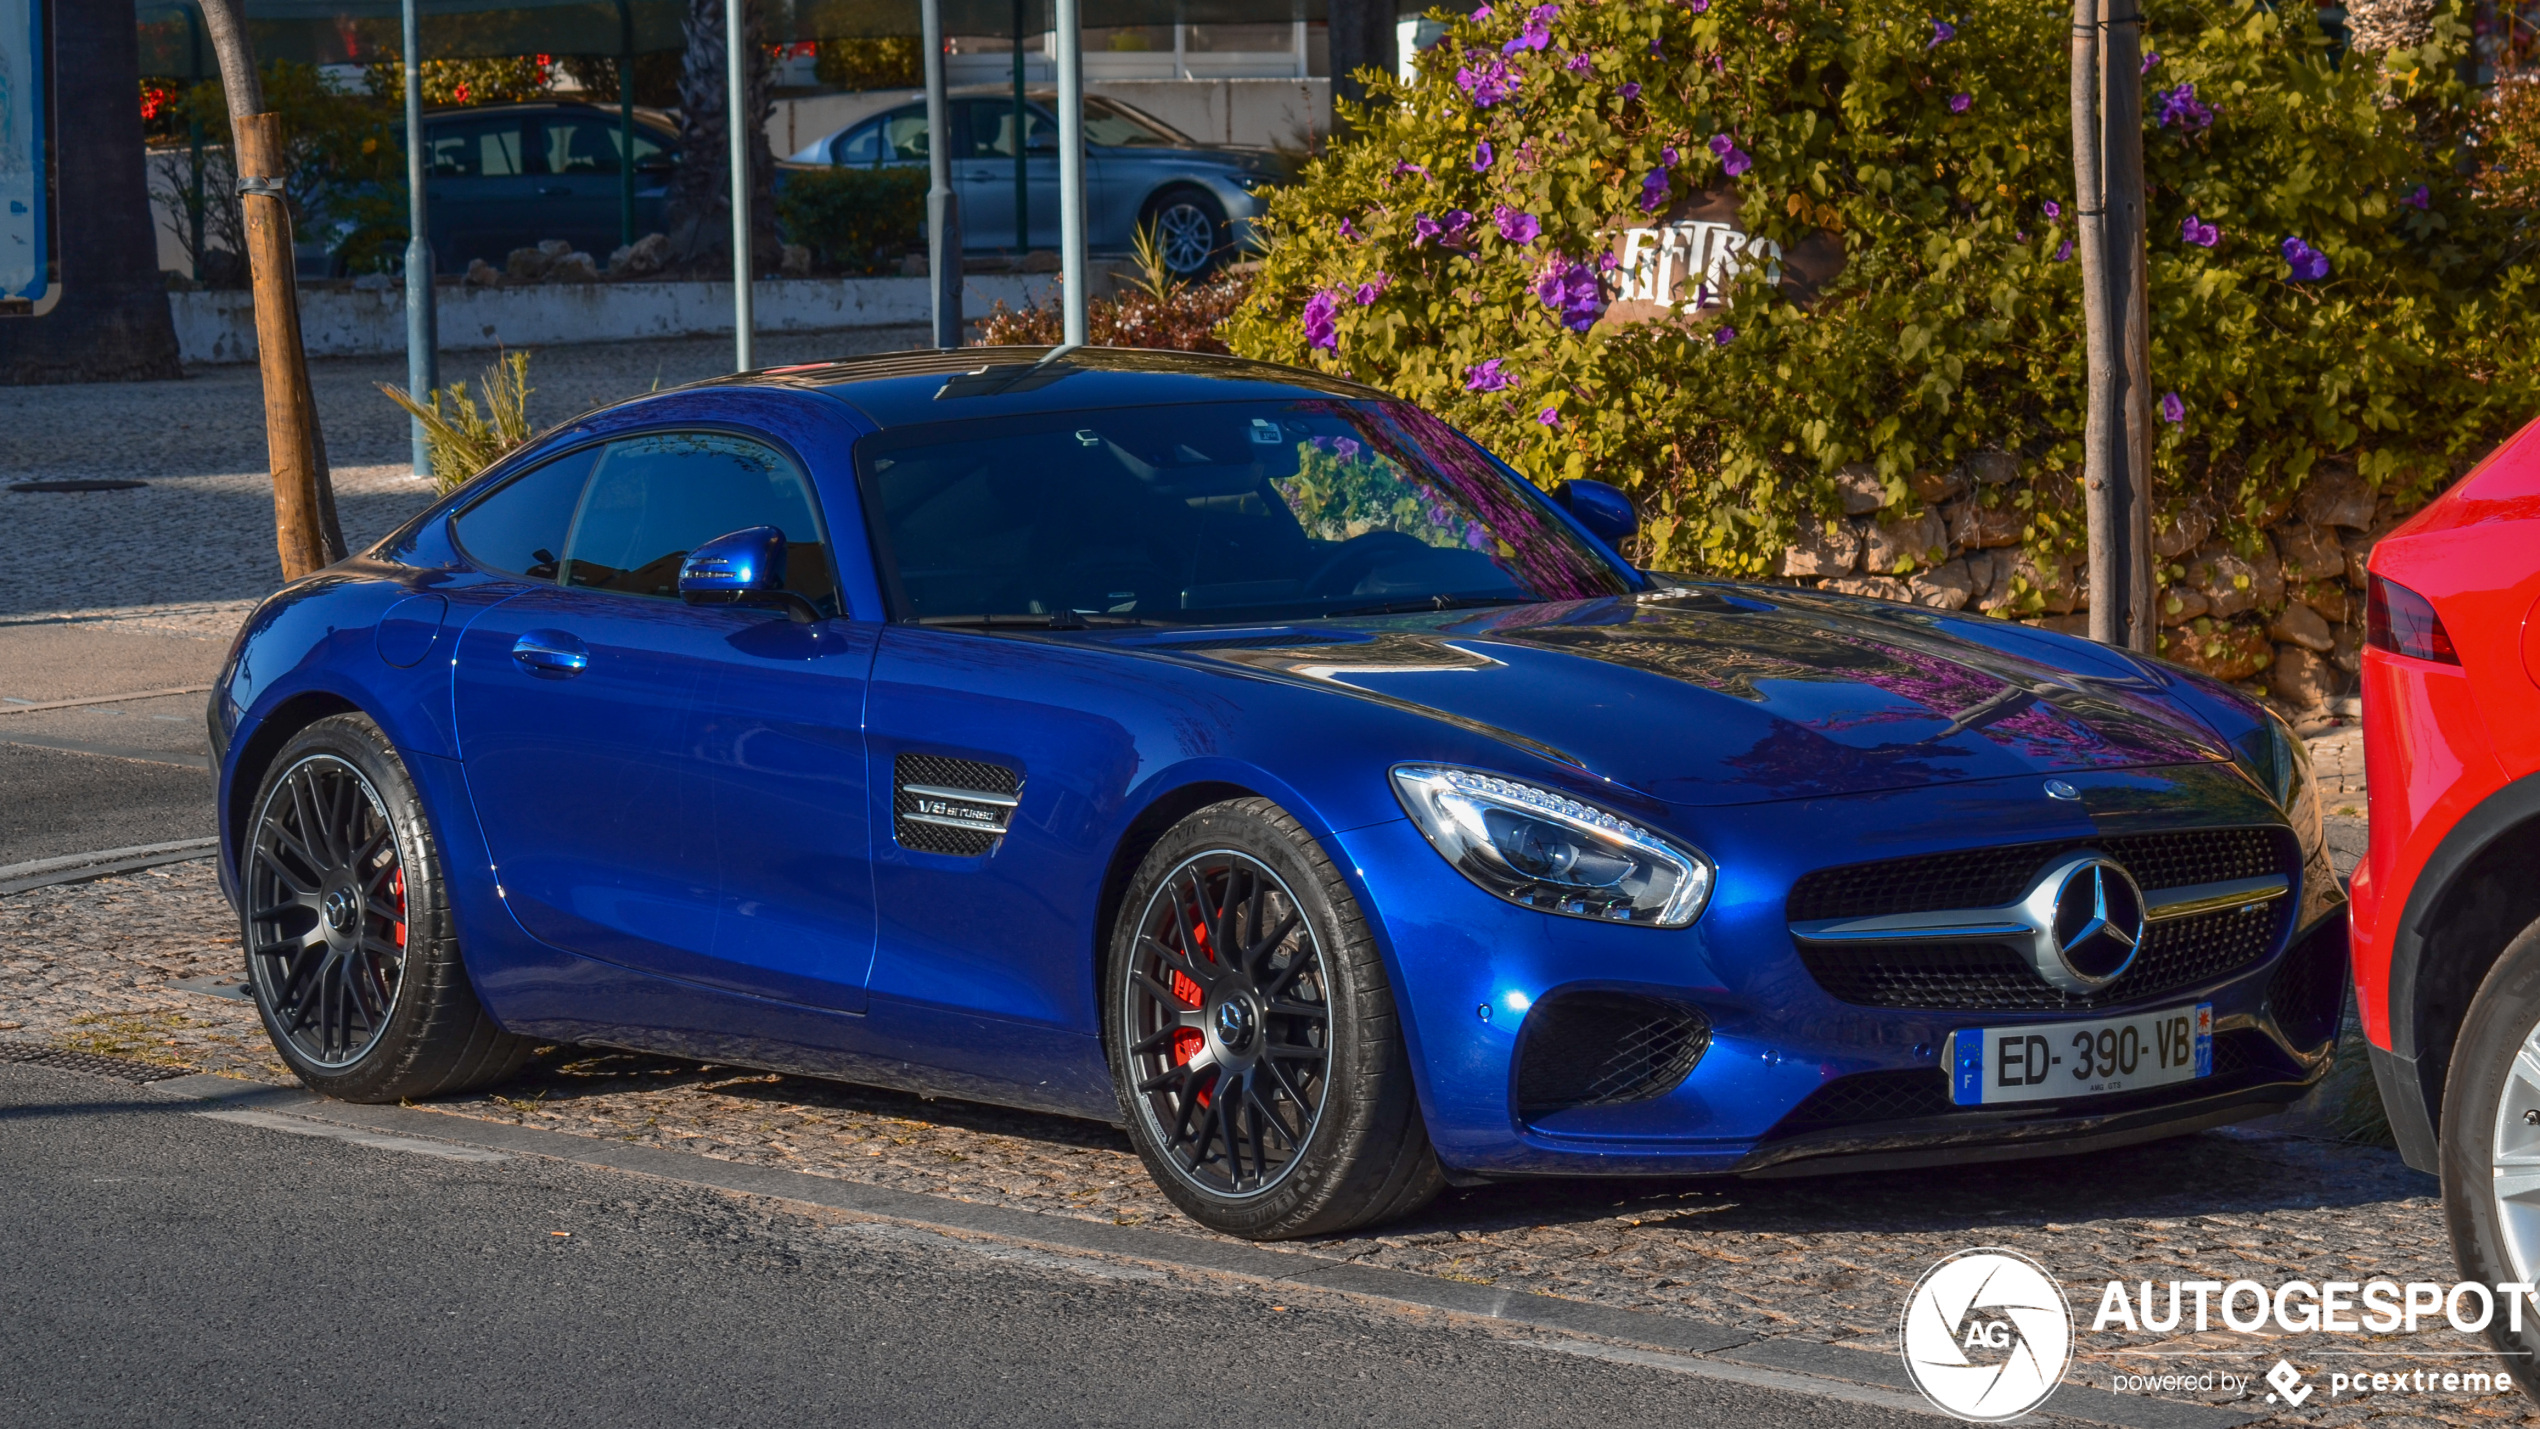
[{"x": 551, "y": 652}]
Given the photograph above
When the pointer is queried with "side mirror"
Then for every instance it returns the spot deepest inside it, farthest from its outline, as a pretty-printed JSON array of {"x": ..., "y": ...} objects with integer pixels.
[
  {"x": 745, "y": 567},
  {"x": 1603, "y": 509}
]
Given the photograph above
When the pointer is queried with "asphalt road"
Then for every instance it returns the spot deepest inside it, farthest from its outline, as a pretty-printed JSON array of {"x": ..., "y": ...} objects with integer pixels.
[
  {"x": 55, "y": 802},
  {"x": 161, "y": 1266}
]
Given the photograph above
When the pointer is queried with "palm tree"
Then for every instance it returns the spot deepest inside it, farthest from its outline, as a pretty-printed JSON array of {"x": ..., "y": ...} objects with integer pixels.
[
  {"x": 112, "y": 321},
  {"x": 700, "y": 211}
]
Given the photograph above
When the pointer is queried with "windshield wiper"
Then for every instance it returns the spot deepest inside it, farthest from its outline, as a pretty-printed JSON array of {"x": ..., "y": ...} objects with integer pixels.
[
  {"x": 1434, "y": 602},
  {"x": 1063, "y": 620}
]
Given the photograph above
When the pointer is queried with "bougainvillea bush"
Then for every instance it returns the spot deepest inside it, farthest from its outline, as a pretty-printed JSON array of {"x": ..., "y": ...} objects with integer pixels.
[{"x": 2323, "y": 284}]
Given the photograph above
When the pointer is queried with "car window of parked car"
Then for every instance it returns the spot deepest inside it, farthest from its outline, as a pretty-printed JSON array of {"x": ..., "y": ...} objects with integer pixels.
[
  {"x": 1115, "y": 126},
  {"x": 861, "y": 145},
  {"x": 520, "y": 528},
  {"x": 483, "y": 149},
  {"x": 1209, "y": 514},
  {"x": 992, "y": 129},
  {"x": 904, "y": 133},
  {"x": 578, "y": 144},
  {"x": 655, "y": 498}
]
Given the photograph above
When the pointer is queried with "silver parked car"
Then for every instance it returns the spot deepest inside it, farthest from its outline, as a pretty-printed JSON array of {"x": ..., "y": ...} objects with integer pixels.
[{"x": 1140, "y": 172}]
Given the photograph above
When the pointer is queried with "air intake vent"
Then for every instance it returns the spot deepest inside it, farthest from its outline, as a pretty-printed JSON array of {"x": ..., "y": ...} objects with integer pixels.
[
  {"x": 1604, "y": 1048},
  {"x": 951, "y": 806}
]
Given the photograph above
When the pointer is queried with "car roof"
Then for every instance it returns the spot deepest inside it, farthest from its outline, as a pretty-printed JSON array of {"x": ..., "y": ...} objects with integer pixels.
[{"x": 901, "y": 389}]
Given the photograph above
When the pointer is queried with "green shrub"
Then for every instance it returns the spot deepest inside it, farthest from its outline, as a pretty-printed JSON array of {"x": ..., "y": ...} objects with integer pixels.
[
  {"x": 878, "y": 62},
  {"x": 854, "y": 220},
  {"x": 1941, "y": 163}
]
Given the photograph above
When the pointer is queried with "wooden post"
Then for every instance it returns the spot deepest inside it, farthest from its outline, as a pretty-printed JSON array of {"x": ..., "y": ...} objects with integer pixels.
[
  {"x": 2107, "y": 110},
  {"x": 304, "y": 526}
]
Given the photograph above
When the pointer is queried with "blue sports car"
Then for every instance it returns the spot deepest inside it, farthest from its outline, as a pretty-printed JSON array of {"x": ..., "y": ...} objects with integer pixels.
[{"x": 1245, "y": 757}]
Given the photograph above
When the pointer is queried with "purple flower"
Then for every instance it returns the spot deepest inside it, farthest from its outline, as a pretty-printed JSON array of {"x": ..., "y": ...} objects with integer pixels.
[
  {"x": 1347, "y": 449},
  {"x": 2421, "y": 200},
  {"x": 1515, "y": 226},
  {"x": 1368, "y": 292},
  {"x": 1667, "y": 155},
  {"x": 2309, "y": 265},
  {"x": 2150, "y": 58},
  {"x": 1653, "y": 191},
  {"x": 1576, "y": 64},
  {"x": 1548, "y": 417},
  {"x": 1482, "y": 156},
  {"x": 1942, "y": 32},
  {"x": 2065, "y": 253},
  {"x": 1571, "y": 290},
  {"x": 1482, "y": 14},
  {"x": 1320, "y": 330},
  {"x": 1733, "y": 160},
  {"x": 1457, "y": 220},
  {"x": 2181, "y": 107},
  {"x": 1407, "y": 167},
  {"x": 2197, "y": 231},
  {"x": 1606, "y": 262},
  {"x": 1424, "y": 228},
  {"x": 1958, "y": 103},
  {"x": 1350, "y": 233},
  {"x": 1538, "y": 31},
  {"x": 1696, "y": 7},
  {"x": 2053, "y": 209},
  {"x": 1630, "y": 89},
  {"x": 1658, "y": 46},
  {"x": 1486, "y": 377},
  {"x": 2172, "y": 409},
  {"x": 1723, "y": 336},
  {"x": 1489, "y": 84}
]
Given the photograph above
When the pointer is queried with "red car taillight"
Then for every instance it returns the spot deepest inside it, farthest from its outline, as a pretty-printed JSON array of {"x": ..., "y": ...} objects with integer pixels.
[{"x": 2403, "y": 622}]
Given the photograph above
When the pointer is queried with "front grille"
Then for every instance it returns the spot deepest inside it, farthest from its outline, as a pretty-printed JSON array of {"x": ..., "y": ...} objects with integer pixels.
[
  {"x": 1991, "y": 977},
  {"x": 938, "y": 771},
  {"x": 1991, "y": 877},
  {"x": 2308, "y": 991},
  {"x": 1869, "y": 1099},
  {"x": 1603, "y": 1049},
  {"x": 1997, "y": 977}
]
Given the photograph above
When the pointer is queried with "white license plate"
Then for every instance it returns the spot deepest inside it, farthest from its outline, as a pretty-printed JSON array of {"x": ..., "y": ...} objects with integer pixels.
[{"x": 2075, "y": 1059}]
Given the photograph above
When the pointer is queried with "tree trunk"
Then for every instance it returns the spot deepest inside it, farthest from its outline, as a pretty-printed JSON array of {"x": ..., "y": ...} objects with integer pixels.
[
  {"x": 700, "y": 209},
  {"x": 112, "y": 323},
  {"x": 1362, "y": 36}
]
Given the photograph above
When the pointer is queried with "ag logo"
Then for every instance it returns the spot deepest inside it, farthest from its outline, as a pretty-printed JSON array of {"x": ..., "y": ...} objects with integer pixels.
[{"x": 1987, "y": 1335}]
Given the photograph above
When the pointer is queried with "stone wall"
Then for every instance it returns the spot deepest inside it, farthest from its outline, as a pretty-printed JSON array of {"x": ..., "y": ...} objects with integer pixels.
[{"x": 2287, "y": 618}]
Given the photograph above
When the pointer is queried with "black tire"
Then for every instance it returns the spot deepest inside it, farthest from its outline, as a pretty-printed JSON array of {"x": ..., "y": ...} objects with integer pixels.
[
  {"x": 1312, "y": 1060},
  {"x": 2489, "y": 1112},
  {"x": 352, "y": 949},
  {"x": 1183, "y": 218}
]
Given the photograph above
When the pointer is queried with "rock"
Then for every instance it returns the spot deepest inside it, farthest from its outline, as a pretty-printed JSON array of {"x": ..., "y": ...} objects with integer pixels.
[
  {"x": 574, "y": 267},
  {"x": 481, "y": 274},
  {"x": 2224, "y": 651},
  {"x": 642, "y": 258},
  {"x": 2180, "y": 604},
  {"x": 554, "y": 247},
  {"x": 1948, "y": 586},
  {"x": 2298, "y": 624},
  {"x": 1973, "y": 526},
  {"x": 1859, "y": 485},
  {"x": 1819, "y": 551},
  {"x": 2175, "y": 533},
  {"x": 2358, "y": 549},
  {"x": 372, "y": 283},
  {"x": 2328, "y": 598},
  {"x": 1991, "y": 468},
  {"x": 912, "y": 265},
  {"x": 1995, "y": 590},
  {"x": 2234, "y": 583},
  {"x": 2310, "y": 551},
  {"x": 528, "y": 265},
  {"x": 1906, "y": 543},
  {"x": 1875, "y": 587},
  {"x": 2055, "y": 579},
  {"x": 2335, "y": 496},
  {"x": 796, "y": 262},
  {"x": 2301, "y": 678},
  {"x": 2348, "y": 653},
  {"x": 1935, "y": 488}
]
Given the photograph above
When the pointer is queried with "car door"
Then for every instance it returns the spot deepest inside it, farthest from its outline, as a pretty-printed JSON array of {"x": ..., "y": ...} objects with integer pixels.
[
  {"x": 481, "y": 189},
  {"x": 579, "y": 191},
  {"x": 986, "y": 173},
  {"x": 678, "y": 789}
]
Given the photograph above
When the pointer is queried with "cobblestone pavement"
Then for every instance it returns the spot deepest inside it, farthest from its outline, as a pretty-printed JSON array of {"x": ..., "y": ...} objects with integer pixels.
[{"x": 90, "y": 966}]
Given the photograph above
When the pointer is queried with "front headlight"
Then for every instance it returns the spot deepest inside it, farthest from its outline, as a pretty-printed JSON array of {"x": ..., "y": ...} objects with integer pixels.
[{"x": 1549, "y": 852}]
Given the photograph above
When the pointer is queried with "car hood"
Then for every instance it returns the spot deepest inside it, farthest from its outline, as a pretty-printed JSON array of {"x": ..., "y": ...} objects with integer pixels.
[{"x": 1711, "y": 698}]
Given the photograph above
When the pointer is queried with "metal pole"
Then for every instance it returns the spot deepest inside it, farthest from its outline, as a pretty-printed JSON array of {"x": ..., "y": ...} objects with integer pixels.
[
  {"x": 1022, "y": 145},
  {"x": 423, "y": 356},
  {"x": 943, "y": 206},
  {"x": 625, "y": 124},
  {"x": 1071, "y": 170},
  {"x": 2108, "y": 192},
  {"x": 194, "y": 140},
  {"x": 736, "y": 77}
]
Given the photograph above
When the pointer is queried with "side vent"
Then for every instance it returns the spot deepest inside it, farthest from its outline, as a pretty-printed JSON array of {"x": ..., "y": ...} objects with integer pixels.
[
  {"x": 952, "y": 806},
  {"x": 1585, "y": 1049}
]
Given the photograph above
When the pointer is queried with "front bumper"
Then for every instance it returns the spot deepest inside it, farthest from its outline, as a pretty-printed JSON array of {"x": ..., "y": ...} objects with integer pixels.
[{"x": 1791, "y": 1080}]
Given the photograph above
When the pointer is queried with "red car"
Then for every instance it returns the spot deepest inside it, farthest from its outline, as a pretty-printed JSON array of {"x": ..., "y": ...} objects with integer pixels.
[{"x": 2446, "y": 911}]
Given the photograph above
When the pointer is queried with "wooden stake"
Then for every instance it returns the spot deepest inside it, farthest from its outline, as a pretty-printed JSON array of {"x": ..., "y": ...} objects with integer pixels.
[{"x": 2107, "y": 109}]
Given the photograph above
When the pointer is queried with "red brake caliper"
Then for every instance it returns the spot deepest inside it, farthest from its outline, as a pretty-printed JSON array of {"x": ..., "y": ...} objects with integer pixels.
[
  {"x": 1188, "y": 1041},
  {"x": 397, "y": 893}
]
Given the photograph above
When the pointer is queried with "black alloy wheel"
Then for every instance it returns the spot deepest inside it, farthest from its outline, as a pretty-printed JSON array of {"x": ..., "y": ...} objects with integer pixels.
[
  {"x": 1232, "y": 1049},
  {"x": 352, "y": 950},
  {"x": 1253, "y": 1037},
  {"x": 326, "y": 920}
]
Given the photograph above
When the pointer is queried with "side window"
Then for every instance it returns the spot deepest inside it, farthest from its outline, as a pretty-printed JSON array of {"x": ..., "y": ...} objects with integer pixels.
[
  {"x": 655, "y": 498},
  {"x": 453, "y": 151},
  {"x": 520, "y": 529},
  {"x": 498, "y": 150},
  {"x": 860, "y": 145},
  {"x": 579, "y": 146},
  {"x": 904, "y": 131}
]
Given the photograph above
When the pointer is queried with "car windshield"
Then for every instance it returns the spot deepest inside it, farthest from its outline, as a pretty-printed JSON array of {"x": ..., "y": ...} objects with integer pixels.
[
  {"x": 1211, "y": 514},
  {"x": 1113, "y": 125}
]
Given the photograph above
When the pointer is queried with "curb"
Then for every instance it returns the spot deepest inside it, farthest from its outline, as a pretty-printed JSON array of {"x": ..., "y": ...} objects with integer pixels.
[
  {"x": 1680, "y": 1344},
  {"x": 103, "y": 863}
]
